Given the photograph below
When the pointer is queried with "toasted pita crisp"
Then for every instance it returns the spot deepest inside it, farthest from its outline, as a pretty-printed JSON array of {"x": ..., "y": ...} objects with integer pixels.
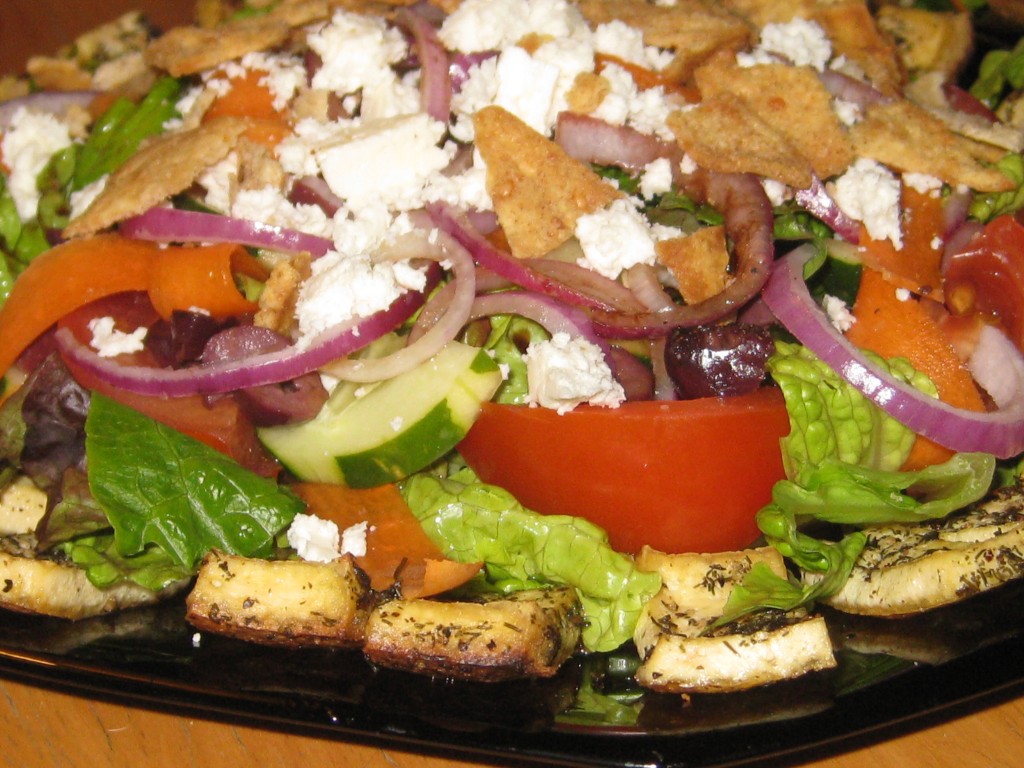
[
  {"x": 693, "y": 30},
  {"x": 587, "y": 92},
  {"x": 699, "y": 262},
  {"x": 906, "y": 137},
  {"x": 791, "y": 100},
  {"x": 721, "y": 135},
  {"x": 538, "y": 190},
  {"x": 165, "y": 166},
  {"x": 848, "y": 24},
  {"x": 189, "y": 50}
]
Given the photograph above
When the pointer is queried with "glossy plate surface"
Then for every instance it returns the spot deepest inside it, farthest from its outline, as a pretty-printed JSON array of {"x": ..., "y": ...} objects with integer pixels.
[{"x": 590, "y": 714}]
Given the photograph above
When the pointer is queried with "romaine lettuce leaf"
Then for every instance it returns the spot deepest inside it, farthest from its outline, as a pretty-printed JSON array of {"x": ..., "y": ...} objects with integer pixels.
[
  {"x": 831, "y": 420},
  {"x": 161, "y": 488},
  {"x": 472, "y": 521}
]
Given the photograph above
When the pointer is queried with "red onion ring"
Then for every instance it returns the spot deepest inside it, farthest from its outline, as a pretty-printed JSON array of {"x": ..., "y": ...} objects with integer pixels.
[
  {"x": 851, "y": 89},
  {"x": 166, "y": 225},
  {"x": 226, "y": 376},
  {"x": 544, "y": 310},
  {"x": 435, "y": 81},
  {"x": 1000, "y": 433},
  {"x": 592, "y": 140}
]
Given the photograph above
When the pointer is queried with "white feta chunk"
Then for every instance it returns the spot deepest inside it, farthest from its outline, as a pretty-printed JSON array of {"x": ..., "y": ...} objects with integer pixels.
[
  {"x": 800, "y": 41},
  {"x": 29, "y": 142},
  {"x": 526, "y": 87},
  {"x": 110, "y": 342},
  {"x": 314, "y": 538},
  {"x": 615, "y": 238},
  {"x": 565, "y": 371},
  {"x": 838, "y": 313},
  {"x": 656, "y": 178},
  {"x": 490, "y": 25},
  {"x": 356, "y": 51},
  {"x": 353, "y": 539},
  {"x": 870, "y": 193}
]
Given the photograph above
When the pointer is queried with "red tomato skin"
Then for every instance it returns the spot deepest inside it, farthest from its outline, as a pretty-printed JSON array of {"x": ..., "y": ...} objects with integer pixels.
[
  {"x": 681, "y": 476},
  {"x": 988, "y": 277}
]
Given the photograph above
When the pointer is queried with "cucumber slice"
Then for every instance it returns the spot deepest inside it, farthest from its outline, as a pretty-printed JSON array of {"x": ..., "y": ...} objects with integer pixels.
[{"x": 401, "y": 426}]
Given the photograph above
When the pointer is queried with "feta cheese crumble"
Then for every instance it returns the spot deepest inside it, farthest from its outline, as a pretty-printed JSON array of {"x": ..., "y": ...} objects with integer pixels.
[
  {"x": 870, "y": 193},
  {"x": 614, "y": 238},
  {"x": 110, "y": 342},
  {"x": 566, "y": 371},
  {"x": 314, "y": 538},
  {"x": 802, "y": 42},
  {"x": 28, "y": 143},
  {"x": 838, "y": 313}
]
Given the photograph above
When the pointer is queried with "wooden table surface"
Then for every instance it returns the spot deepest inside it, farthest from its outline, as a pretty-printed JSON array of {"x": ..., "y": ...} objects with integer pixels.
[{"x": 45, "y": 727}]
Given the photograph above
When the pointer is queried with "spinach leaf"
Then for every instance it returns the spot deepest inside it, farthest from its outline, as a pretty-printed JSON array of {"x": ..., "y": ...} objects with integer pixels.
[{"x": 159, "y": 487}]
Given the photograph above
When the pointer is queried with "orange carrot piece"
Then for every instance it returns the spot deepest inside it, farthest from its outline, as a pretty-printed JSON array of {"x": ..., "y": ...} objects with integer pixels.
[
  {"x": 894, "y": 328},
  {"x": 250, "y": 98},
  {"x": 916, "y": 266},
  {"x": 66, "y": 277},
  {"x": 203, "y": 276},
  {"x": 397, "y": 548}
]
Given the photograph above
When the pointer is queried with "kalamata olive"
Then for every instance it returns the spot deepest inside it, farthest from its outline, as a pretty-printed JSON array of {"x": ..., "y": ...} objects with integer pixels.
[{"x": 717, "y": 360}]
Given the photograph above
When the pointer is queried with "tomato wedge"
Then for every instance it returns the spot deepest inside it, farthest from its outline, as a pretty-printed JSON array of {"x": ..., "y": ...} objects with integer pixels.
[{"x": 681, "y": 476}]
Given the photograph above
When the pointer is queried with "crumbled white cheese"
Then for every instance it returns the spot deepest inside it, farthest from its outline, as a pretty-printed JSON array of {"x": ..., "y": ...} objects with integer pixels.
[
  {"x": 28, "y": 143},
  {"x": 656, "y": 178},
  {"x": 268, "y": 206},
  {"x": 903, "y": 294},
  {"x": 802, "y": 42},
  {"x": 220, "y": 181},
  {"x": 357, "y": 52},
  {"x": 526, "y": 87},
  {"x": 870, "y": 193},
  {"x": 838, "y": 313},
  {"x": 342, "y": 288},
  {"x": 82, "y": 198},
  {"x": 923, "y": 182},
  {"x": 848, "y": 112},
  {"x": 616, "y": 38},
  {"x": 645, "y": 110},
  {"x": 936, "y": 243},
  {"x": 110, "y": 342},
  {"x": 489, "y": 25},
  {"x": 353, "y": 539},
  {"x": 566, "y": 371},
  {"x": 614, "y": 238},
  {"x": 386, "y": 161},
  {"x": 776, "y": 191},
  {"x": 687, "y": 165},
  {"x": 571, "y": 56},
  {"x": 314, "y": 538}
]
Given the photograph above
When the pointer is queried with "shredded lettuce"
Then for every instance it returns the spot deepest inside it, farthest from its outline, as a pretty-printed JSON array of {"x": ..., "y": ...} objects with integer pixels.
[
  {"x": 472, "y": 521},
  {"x": 985, "y": 206}
]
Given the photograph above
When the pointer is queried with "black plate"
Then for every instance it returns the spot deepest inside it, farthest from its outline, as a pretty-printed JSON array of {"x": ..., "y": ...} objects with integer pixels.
[{"x": 590, "y": 714}]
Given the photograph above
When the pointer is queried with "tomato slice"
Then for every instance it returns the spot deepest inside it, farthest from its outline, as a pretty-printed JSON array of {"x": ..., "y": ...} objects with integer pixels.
[
  {"x": 681, "y": 476},
  {"x": 988, "y": 277}
]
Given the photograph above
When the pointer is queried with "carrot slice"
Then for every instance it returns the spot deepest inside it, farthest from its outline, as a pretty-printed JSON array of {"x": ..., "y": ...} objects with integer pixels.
[
  {"x": 67, "y": 277},
  {"x": 916, "y": 266},
  {"x": 251, "y": 98},
  {"x": 894, "y": 328},
  {"x": 203, "y": 276},
  {"x": 397, "y": 549}
]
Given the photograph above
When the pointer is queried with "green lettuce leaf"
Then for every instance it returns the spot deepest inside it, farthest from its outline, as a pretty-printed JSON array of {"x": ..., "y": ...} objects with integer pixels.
[
  {"x": 831, "y": 420},
  {"x": 161, "y": 488},
  {"x": 985, "y": 206},
  {"x": 105, "y": 566},
  {"x": 472, "y": 521}
]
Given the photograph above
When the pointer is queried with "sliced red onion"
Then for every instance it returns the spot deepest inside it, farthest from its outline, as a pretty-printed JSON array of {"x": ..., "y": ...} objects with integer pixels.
[
  {"x": 664, "y": 386},
  {"x": 504, "y": 264},
  {"x": 609, "y": 292},
  {"x": 959, "y": 241},
  {"x": 55, "y": 103},
  {"x": 636, "y": 379},
  {"x": 954, "y": 212},
  {"x": 748, "y": 224},
  {"x": 168, "y": 225},
  {"x": 226, "y": 376},
  {"x": 544, "y": 310},
  {"x": 435, "y": 82},
  {"x": 1000, "y": 433},
  {"x": 851, "y": 89},
  {"x": 819, "y": 203},
  {"x": 642, "y": 280},
  {"x": 444, "y": 329},
  {"x": 313, "y": 190},
  {"x": 592, "y": 140},
  {"x": 964, "y": 101}
]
